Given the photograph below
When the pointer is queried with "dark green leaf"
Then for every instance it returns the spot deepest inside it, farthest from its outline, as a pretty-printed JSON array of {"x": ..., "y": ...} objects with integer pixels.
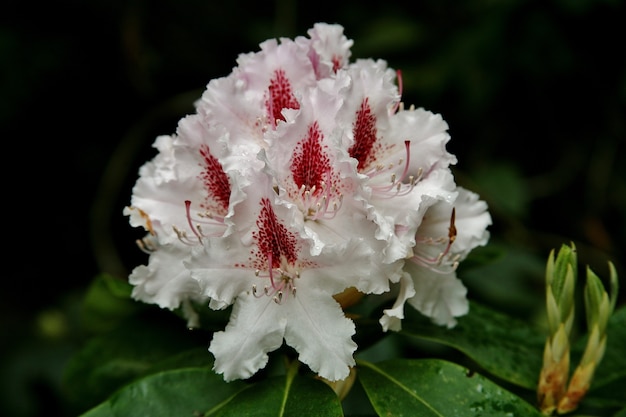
[
  {"x": 198, "y": 357},
  {"x": 621, "y": 413},
  {"x": 181, "y": 392},
  {"x": 110, "y": 360},
  {"x": 102, "y": 410},
  {"x": 605, "y": 396},
  {"x": 509, "y": 282},
  {"x": 289, "y": 395},
  {"x": 506, "y": 347},
  {"x": 107, "y": 303},
  {"x": 433, "y": 387}
]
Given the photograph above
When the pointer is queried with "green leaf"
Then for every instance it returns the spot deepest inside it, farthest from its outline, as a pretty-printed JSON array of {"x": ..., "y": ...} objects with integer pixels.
[
  {"x": 113, "y": 359},
  {"x": 106, "y": 303},
  {"x": 197, "y": 357},
  {"x": 434, "y": 387},
  {"x": 102, "y": 410},
  {"x": 621, "y": 413},
  {"x": 199, "y": 391},
  {"x": 181, "y": 392},
  {"x": 289, "y": 395},
  {"x": 504, "y": 346},
  {"x": 606, "y": 396},
  {"x": 519, "y": 273}
]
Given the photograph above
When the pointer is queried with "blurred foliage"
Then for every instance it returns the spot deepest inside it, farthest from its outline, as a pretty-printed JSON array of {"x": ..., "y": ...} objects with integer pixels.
[{"x": 534, "y": 93}]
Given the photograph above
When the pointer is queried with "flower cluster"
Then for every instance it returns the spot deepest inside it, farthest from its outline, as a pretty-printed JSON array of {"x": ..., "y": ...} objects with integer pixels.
[{"x": 299, "y": 176}]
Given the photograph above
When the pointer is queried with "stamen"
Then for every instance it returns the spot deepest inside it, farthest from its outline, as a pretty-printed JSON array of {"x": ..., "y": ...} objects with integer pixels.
[
  {"x": 279, "y": 297},
  {"x": 321, "y": 202},
  {"x": 146, "y": 245},
  {"x": 270, "y": 267},
  {"x": 191, "y": 226},
  {"x": 397, "y": 186},
  {"x": 445, "y": 261}
]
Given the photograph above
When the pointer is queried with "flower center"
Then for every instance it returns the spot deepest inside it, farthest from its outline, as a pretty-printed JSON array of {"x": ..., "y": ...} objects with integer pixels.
[
  {"x": 313, "y": 177},
  {"x": 276, "y": 254}
]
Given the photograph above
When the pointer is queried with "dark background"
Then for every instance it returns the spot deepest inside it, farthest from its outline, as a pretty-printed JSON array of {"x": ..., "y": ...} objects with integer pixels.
[{"x": 534, "y": 93}]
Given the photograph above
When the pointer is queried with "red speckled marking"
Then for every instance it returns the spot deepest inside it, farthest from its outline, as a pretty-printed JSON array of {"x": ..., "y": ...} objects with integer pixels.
[
  {"x": 337, "y": 63},
  {"x": 310, "y": 165},
  {"x": 215, "y": 182},
  {"x": 364, "y": 129},
  {"x": 273, "y": 238},
  {"x": 280, "y": 96}
]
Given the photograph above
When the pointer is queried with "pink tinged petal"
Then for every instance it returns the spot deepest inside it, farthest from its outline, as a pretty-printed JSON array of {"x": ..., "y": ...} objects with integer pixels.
[
  {"x": 428, "y": 135},
  {"x": 261, "y": 251},
  {"x": 310, "y": 165},
  {"x": 321, "y": 334},
  {"x": 450, "y": 230},
  {"x": 331, "y": 49},
  {"x": 280, "y": 96},
  {"x": 256, "y": 327},
  {"x": 440, "y": 296},
  {"x": 251, "y": 99},
  {"x": 184, "y": 170},
  {"x": 275, "y": 243},
  {"x": 398, "y": 218},
  {"x": 392, "y": 317},
  {"x": 215, "y": 183},
  {"x": 365, "y": 144},
  {"x": 316, "y": 187}
]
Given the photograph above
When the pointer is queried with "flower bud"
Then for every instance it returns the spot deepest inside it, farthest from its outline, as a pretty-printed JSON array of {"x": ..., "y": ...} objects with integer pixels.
[{"x": 599, "y": 307}]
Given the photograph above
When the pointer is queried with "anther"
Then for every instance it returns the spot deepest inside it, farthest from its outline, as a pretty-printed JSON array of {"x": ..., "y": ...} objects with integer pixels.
[
  {"x": 279, "y": 297},
  {"x": 146, "y": 245},
  {"x": 452, "y": 227}
]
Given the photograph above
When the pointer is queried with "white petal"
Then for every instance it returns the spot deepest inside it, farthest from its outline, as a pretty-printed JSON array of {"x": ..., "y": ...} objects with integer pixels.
[
  {"x": 392, "y": 317},
  {"x": 332, "y": 48},
  {"x": 255, "y": 328},
  {"x": 213, "y": 267},
  {"x": 440, "y": 296},
  {"x": 472, "y": 220},
  {"x": 321, "y": 334},
  {"x": 165, "y": 281}
]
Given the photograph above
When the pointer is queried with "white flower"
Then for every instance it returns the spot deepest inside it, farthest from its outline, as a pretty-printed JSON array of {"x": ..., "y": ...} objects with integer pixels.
[
  {"x": 447, "y": 234},
  {"x": 301, "y": 175},
  {"x": 279, "y": 290}
]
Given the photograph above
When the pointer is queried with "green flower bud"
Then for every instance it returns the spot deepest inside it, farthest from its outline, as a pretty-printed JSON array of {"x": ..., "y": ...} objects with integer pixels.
[{"x": 561, "y": 277}]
